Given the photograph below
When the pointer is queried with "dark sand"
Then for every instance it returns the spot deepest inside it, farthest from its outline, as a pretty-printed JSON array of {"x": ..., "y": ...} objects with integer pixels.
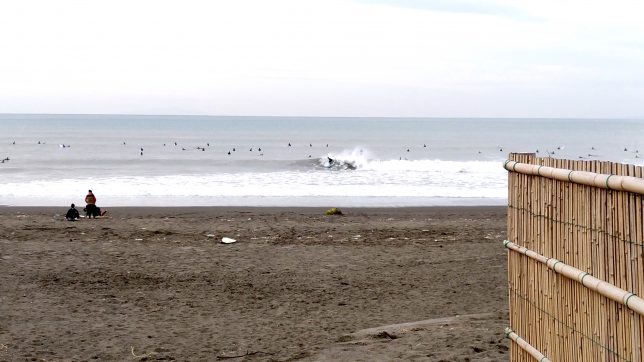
[{"x": 155, "y": 284}]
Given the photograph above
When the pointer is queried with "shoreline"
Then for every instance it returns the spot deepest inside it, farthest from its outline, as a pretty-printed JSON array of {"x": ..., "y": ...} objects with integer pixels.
[
  {"x": 255, "y": 208},
  {"x": 261, "y": 202},
  {"x": 268, "y": 210}
]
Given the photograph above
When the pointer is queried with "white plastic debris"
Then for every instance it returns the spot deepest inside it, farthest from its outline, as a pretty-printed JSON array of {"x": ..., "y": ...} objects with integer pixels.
[{"x": 226, "y": 240}]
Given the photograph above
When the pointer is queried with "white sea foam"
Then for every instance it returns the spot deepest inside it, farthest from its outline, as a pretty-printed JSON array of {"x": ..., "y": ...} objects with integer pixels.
[{"x": 402, "y": 180}]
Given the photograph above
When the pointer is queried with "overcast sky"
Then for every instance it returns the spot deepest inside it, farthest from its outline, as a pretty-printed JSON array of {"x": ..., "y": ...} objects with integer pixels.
[{"x": 434, "y": 58}]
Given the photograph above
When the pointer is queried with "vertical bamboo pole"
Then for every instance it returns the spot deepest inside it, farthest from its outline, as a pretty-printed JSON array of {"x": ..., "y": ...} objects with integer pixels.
[
  {"x": 564, "y": 219},
  {"x": 612, "y": 344},
  {"x": 616, "y": 243},
  {"x": 631, "y": 269},
  {"x": 576, "y": 247},
  {"x": 600, "y": 216},
  {"x": 600, "y": 211},
  {"x": 605, "y": 322},
  {"x": 544, "y": 227},
  {"x": 544, "y": 299},
  {"x": 639, "y": 238},
  {"x": 561, "y": 255},
  {"x": 588, "y": 316},
  {"x": 555, "y": 253},
  {"x": 580, "y": 247},
  {"x": 520, "y": 312},
  {"x": 566, "y": 252},
  {"x": 614, "y": 261},
  {"x": 595, "y": 198},
  {"x": 623, "y": 340},
  {"x": 528, "y": 261},
  {"x": 583, "y": 248},
  {"x": 512, "y": 270},
  {"x": 567, "y": 256},
  {"x": 636, "y": 266},
  {"x": 624, "y": 265},
  {"x": 547, "y": 234}
]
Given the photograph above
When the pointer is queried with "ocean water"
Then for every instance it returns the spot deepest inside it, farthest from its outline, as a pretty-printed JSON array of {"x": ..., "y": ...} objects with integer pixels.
[{"x": 247, "y": 161}]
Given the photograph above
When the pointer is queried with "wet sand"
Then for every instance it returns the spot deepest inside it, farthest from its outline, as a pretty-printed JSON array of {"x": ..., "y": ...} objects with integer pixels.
[{"x": 423, "y": 284}]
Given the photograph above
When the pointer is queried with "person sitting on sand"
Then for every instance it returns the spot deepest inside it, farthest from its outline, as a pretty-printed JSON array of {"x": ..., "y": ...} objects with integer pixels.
[{"x": 72, "y": 214}]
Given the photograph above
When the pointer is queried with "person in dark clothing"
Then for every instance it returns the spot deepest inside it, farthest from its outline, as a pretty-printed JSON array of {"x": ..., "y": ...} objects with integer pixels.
[{"x": 72, "y": 214}]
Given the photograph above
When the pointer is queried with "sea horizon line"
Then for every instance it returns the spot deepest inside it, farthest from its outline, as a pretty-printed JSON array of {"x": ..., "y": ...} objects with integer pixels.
[{"x": 327, "y": 117}]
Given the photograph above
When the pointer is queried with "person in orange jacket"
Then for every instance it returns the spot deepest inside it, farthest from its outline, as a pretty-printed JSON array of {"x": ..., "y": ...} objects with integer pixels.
[{"x": 90, "y": 209}]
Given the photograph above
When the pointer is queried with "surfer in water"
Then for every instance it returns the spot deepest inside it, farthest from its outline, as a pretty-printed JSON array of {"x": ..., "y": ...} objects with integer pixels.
[{"x": 346, "y": 165}]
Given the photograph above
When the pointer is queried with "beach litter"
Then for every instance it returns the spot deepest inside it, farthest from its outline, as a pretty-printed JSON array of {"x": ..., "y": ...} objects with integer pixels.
[
  {"x": 226, "y": 240},
  {"x": 333, "y": 211}
]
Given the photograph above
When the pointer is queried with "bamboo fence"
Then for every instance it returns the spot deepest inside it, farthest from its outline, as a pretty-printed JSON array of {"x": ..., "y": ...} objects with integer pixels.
[{"x": 575, "y": 260}]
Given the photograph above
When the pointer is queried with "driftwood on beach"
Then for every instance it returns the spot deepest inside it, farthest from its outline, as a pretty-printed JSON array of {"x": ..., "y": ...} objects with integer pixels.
[{"x": 575, "y": 260}]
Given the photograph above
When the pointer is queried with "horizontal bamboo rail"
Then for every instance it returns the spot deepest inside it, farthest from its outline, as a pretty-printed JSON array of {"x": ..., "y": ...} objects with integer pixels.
[
  {"x": 526, "y": 346},
  {"x": 612, "y": 182},
  {"x": 608, "y": 290}
]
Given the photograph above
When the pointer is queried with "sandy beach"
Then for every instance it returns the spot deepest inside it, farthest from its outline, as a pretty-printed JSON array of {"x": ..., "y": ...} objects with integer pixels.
[{"x": 421, "y": 284}]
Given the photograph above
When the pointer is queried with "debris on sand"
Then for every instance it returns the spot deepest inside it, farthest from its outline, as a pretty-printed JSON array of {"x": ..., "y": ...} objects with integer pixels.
[
  {"x": 226, "y": 240},
  {"x": 333, "y": 211}
]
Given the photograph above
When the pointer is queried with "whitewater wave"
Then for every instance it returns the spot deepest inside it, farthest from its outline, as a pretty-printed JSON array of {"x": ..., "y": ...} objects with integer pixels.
[
  {"x": 415, "y": 181},
  {"x": 360, "y": 178},
  {"x": 361, "y": 159}
]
